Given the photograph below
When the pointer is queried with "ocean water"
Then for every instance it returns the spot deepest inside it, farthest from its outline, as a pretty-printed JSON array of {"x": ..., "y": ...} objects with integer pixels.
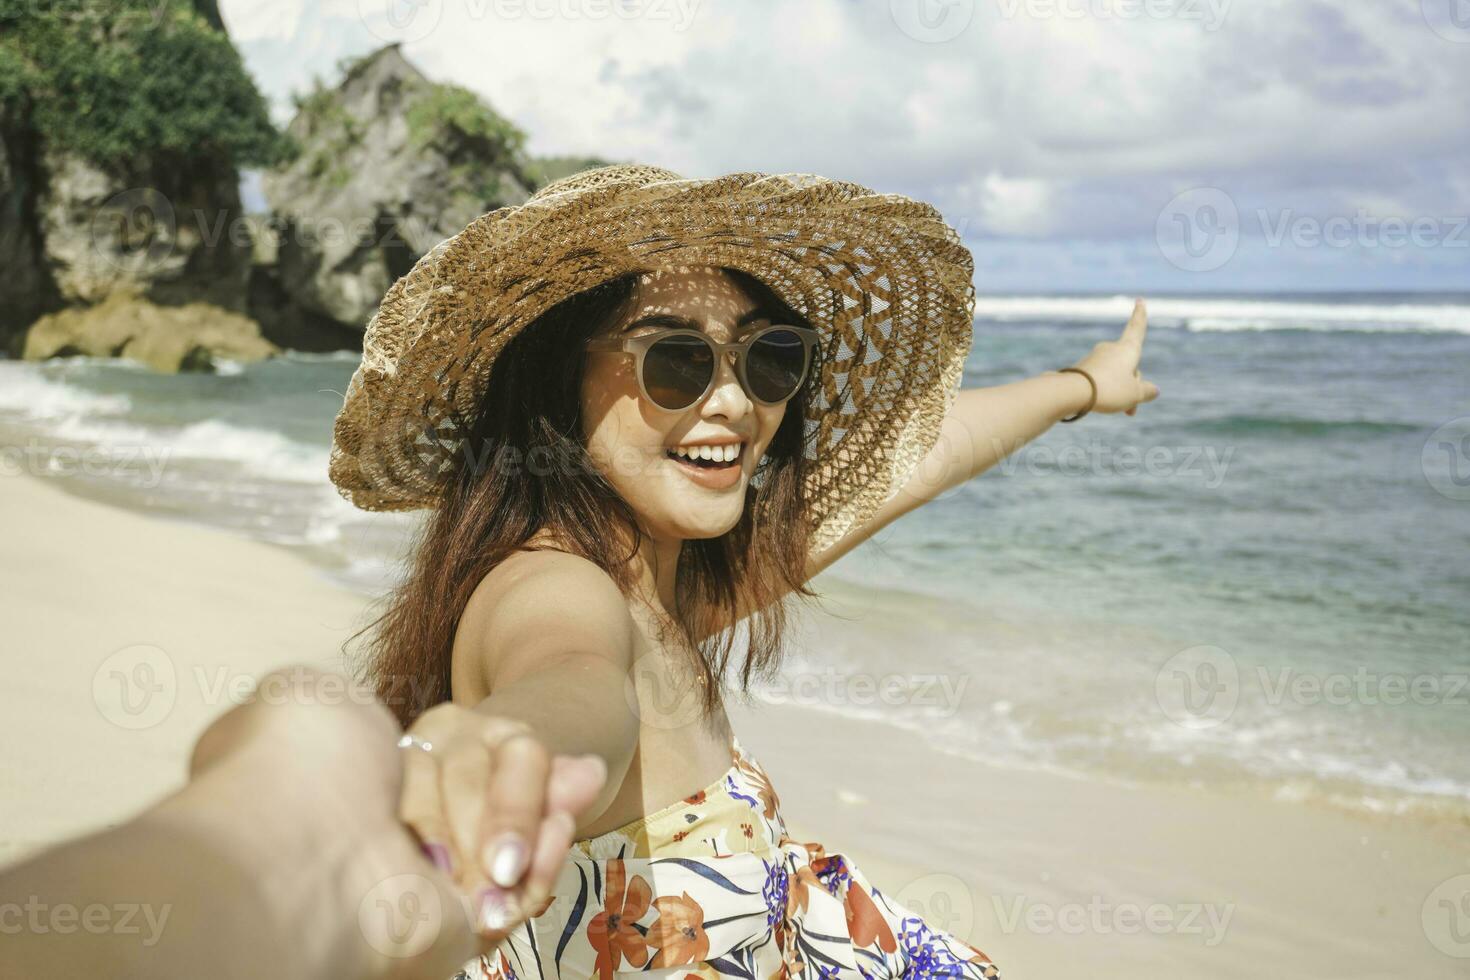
[{"x": 1261, "y": 580}]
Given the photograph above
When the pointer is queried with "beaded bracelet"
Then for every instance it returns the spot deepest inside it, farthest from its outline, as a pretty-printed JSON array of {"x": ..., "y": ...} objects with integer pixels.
[{"x": 1091, "y": 402}]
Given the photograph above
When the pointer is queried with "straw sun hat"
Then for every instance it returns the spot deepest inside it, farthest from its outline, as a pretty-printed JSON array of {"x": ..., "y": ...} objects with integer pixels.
[{"x": 882, "y": 278}]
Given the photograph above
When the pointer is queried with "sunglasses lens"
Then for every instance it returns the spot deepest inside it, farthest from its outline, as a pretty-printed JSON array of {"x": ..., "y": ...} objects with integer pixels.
[
  {"x": 775, "y": 365},
  {"x": 676, "y": 370}
]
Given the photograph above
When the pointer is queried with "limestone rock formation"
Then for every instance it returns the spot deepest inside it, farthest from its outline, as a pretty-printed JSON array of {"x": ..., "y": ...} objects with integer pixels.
[
  {"x": 170, "y": 233},
  {"x": 26, "y": 291},
  {"x": 188, "y": 337},
  {"x": 390, "y": 165},
  {"x": 387, "y": 165},
  {"x": 107, "y": 194}
]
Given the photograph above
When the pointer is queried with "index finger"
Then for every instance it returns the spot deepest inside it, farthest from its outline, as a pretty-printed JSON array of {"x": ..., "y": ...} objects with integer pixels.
[
  {"x": 517, "y": 800},
  {"x": 1137, "y": 324}
]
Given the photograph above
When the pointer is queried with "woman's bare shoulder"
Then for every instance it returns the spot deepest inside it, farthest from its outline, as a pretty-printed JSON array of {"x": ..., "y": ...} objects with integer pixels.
[
  {"x": 544, "y": 561},
  {"x": 537, "y": 602}
]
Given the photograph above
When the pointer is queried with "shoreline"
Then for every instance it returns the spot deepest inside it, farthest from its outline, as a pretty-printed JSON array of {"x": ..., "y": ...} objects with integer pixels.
[
  {"x": 1053, "y": 875},
  {"x": 1085, "y": 702},
  {"x": 1049, "y": 874}
]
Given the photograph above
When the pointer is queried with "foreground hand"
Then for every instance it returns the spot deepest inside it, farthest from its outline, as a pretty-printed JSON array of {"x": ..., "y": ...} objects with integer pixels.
[
  {"x": 1113, "y": 364},
  {"x": 496, "y": 807},
  {"x": 301, "y": 786}
]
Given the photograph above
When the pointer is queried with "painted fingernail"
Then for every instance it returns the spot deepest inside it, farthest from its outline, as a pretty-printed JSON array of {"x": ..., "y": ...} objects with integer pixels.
[
  {"x": 495, "y": 912},
  {"x": 439, "y": 854},
  {"x": 506, "y": 860}
]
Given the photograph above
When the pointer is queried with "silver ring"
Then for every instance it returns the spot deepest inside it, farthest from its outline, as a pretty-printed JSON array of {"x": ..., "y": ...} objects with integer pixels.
[{"x": 411, "y": 741}]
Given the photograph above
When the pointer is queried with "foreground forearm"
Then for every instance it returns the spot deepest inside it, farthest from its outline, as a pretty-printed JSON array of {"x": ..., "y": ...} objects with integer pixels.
[
  {"x": 249, "y": 871},
  {"x": 147, "y": 899}
]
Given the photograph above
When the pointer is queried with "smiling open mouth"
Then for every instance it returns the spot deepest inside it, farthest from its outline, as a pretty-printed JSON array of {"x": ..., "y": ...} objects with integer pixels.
[{"x": 708, "y": 457}]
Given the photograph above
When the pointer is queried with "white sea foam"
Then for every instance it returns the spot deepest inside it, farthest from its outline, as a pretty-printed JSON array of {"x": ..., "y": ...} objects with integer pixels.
[
  {"x": 25, "y": 394},
  {"x": 259, "y": 451},
  {"x": 1233, "y": 314},
  {"x": 326, "y": 357}
]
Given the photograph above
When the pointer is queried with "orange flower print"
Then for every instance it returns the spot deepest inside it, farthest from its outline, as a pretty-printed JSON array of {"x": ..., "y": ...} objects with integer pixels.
[
  {"x": 804, "y": 877},
  {"x": 987, "y": 967},
  {"x": 866, "y": 924},
  {"x": 678, "y": 935},
  {"x": 611, "y": 932}
]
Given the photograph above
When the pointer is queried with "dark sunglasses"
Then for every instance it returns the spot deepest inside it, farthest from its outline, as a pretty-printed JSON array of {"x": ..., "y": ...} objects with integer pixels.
[{"x": 676, "y": 367}]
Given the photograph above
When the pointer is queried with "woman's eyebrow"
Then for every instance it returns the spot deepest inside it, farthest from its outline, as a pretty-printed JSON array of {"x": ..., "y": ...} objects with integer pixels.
[{"x": 689, "y": 323}]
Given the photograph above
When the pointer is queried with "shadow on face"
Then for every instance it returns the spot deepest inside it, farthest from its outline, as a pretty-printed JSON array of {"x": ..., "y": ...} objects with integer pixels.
[{"x": 630, "y": 438}]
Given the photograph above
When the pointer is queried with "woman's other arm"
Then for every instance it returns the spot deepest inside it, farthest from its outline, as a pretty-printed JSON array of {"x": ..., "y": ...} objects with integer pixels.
[
  {"x": 549, "y": 636},
  {"x": 985, "y": 425}
]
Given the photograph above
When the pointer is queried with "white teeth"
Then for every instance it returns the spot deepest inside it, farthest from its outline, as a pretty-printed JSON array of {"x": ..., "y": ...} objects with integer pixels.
[{"x": 718, "y": 454}]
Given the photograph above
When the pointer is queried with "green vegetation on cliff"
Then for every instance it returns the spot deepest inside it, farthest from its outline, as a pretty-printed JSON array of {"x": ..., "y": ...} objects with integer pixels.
[
  {"x": 130, "y": 79},
  {"x": 476, "y": 142},
  {"x": 457, "y": 109}
]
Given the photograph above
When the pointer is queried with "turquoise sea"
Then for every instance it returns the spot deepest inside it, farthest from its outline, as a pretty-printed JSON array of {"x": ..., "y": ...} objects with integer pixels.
[{"x": 1262, "y": 580}]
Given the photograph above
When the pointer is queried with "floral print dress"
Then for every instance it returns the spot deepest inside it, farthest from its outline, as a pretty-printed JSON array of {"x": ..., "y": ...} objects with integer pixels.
[{"x": 713, "y": 888}]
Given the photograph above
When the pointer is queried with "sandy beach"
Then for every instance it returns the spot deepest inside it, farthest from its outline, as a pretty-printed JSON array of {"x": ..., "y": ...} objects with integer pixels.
[{"x": 1053, "y": 876}]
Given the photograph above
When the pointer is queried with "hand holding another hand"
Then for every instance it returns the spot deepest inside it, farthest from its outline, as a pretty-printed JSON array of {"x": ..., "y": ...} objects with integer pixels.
[{"x": 495, "y": 809}]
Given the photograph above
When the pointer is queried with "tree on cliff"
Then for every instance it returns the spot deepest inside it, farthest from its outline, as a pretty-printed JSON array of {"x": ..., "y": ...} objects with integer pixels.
[{"x": 126, "y": 80}]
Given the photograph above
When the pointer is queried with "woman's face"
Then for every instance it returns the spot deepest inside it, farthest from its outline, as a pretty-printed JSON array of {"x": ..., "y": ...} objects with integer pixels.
[{"x": 632, "y": 440}]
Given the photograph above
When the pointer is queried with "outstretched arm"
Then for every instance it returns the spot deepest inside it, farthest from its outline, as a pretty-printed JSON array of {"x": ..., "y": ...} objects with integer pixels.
[
  {"x": 985, "y": 425},
  {"x": 281, "y": 857}
]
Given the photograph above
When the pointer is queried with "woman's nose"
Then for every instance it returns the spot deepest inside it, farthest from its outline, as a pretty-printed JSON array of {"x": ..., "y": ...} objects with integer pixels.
[{"x": 728, "y": 398}]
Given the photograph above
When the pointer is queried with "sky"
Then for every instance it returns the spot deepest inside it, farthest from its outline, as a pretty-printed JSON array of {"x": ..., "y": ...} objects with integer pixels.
[{"x": 1078, "y": 146}]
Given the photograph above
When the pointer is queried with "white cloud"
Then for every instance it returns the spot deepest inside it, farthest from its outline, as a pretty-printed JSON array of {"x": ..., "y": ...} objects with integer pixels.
[{"x": 1031, "y": 124}]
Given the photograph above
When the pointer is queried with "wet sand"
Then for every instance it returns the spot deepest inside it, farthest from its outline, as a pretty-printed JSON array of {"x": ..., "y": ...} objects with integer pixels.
[{"x": 124, "y": 635}]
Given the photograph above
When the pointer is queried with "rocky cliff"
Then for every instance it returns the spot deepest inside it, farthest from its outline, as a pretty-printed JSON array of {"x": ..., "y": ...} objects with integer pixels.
[
  {"x": 115, "y": 221},
  {"x": 118, "y": 174},
  {"x": 390, "y": 164}
]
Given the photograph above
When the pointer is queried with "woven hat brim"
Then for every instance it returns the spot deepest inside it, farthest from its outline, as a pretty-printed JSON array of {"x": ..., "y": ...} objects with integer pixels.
[{"x": 883, "y": 278}]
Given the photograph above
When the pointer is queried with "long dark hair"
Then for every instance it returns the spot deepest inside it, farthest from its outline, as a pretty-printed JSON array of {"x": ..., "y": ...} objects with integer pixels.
[{"x": 532, "y": 471}]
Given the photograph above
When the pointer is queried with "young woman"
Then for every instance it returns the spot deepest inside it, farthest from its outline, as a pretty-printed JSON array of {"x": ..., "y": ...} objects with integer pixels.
[{"x": 646, "y": 411}]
